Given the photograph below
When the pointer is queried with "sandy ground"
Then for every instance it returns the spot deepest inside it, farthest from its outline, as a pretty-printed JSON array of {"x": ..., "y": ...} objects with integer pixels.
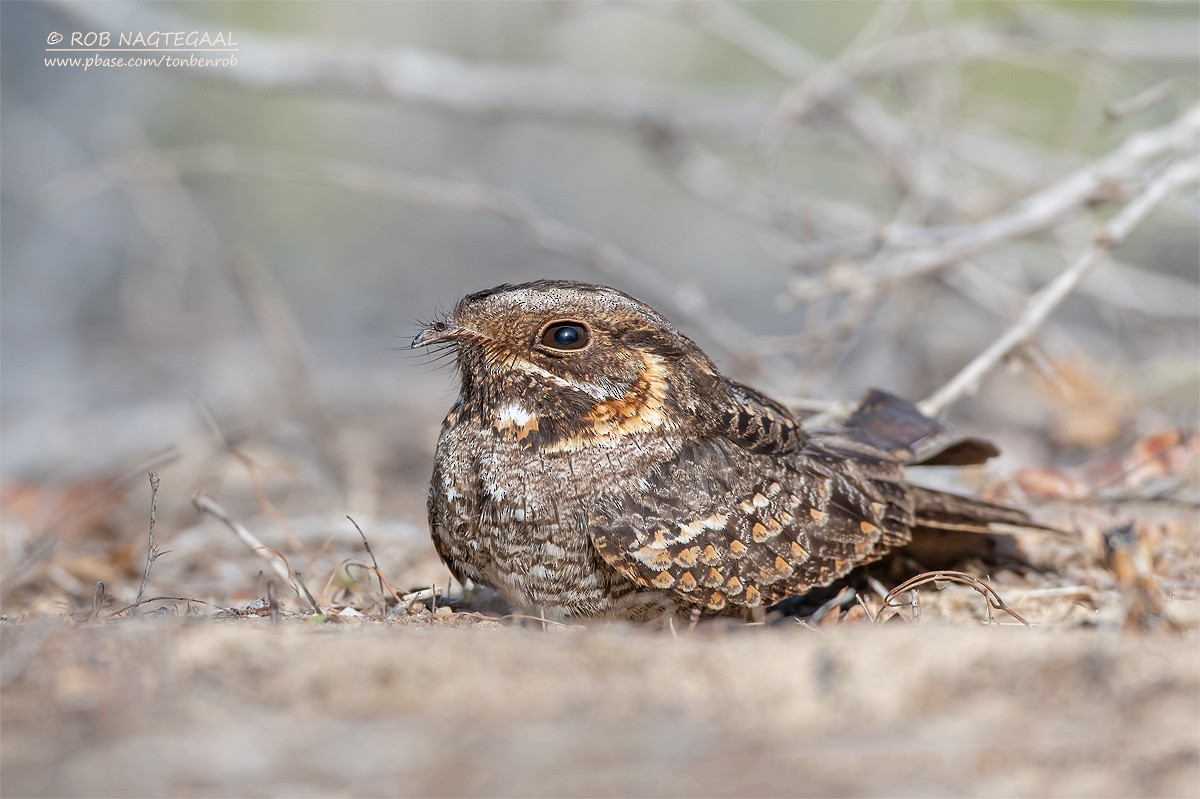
[
  {"x": 171, "y": 699},
  {"x": 446, "y": 705}
]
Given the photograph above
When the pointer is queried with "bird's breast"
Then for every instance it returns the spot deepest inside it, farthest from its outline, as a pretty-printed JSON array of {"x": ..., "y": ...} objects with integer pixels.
[{"x": 515, "y": 517}]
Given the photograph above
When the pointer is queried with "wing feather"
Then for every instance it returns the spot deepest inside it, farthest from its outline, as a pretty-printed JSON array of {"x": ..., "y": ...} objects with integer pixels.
[
  {"x": 734, "y": 528},
  {"x": 755, "y": 511}
]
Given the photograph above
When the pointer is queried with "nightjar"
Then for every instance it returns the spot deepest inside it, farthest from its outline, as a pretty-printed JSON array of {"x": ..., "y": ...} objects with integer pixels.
[{"x": 596, "y": 463}]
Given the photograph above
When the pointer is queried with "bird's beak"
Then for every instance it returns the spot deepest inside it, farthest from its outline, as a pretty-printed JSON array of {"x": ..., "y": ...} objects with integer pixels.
[{"x": 436, "y": 332}]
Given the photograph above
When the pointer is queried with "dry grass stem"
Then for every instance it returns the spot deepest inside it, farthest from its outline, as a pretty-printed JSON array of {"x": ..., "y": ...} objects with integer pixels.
[
  {"x": 48, "y": 538},
  {"x": 940, "y": 579},
  {"x": 374, "y": 562},
  {"x": 151, "y": 552},
  {"x": 206, "y": 504}
]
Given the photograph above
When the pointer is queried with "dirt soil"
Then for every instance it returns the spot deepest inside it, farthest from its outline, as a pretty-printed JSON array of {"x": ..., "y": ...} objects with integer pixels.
[
  {"x": 204, "y": 693},
  {"x": 443, "y": 704},
  {"x": 225, "y": 682}
]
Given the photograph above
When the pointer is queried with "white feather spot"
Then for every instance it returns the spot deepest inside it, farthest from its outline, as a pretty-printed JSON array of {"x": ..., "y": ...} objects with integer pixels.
[{"x": 512, "y": 413}]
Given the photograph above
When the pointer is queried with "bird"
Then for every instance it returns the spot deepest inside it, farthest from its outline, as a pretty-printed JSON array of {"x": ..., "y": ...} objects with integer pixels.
[{"x": 596, "y": 463}]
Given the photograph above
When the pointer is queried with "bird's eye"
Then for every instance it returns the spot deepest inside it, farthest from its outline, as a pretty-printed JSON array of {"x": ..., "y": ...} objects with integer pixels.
[{"x": 566, "y": 336}]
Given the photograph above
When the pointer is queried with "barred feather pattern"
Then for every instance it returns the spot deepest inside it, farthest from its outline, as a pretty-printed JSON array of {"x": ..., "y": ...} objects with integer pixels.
[{"x": 626, "y": 473}]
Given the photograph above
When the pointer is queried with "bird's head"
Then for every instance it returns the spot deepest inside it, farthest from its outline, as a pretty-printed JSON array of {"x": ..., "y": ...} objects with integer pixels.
[{"x": 566, "y": 353}]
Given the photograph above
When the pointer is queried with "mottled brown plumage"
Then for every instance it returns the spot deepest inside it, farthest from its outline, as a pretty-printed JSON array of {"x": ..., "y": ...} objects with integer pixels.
[{"x": 596, "y": 463}]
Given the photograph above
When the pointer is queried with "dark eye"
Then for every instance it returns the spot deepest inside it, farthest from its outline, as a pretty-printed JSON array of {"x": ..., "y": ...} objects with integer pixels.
[{"x": 566, "y": 336}]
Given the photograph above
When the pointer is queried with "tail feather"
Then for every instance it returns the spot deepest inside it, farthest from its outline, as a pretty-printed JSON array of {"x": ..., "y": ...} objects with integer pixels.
[
  {"x": 941, "y": 511},
  {"x": 949, "y": 529}
]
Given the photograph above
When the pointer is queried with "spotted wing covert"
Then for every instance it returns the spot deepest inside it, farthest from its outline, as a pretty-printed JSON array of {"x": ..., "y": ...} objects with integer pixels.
[{"x": 724, "y": 527}]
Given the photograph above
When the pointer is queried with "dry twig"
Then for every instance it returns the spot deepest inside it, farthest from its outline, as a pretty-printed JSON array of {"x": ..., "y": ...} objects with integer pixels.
[
  {"x": 385, "y": 585},
  {"x": 939, "y": 579},
  {"x": 868, "y": 120},
  {"x": 1041, "y": 304},
  {"x": 254, "y": 470},
  {"x": 205, "y": 504},
  {"x": 151, "y": 552},
  {"x": 1146, "y": 98},
  {"x": 99, "y": 597},
  {"x": 148, "y": 600},
  {"x": 367, "y": 544},
  {"x": 688, "y": 302},
  {"x": 910, "y": 253},
  {"x": 432, "y": 592},
  {"x": 308, "y": 594}
]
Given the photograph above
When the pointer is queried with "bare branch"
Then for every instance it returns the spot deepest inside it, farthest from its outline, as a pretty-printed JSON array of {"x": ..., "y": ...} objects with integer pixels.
[
  {"x": 1119, "y": 37},
  {"x": 1134, "y": 288},
  {"x": 688, "y": 302},
  {"x": 442, "y": 82},
  {"x": 1040, "y": 305},
  {"x": 861, "y": 113},
  {"x": 1146, "y": 98},
  {"x": 915, "y": 252},
  {"x": 838, "y": 75},
  {"x": 715, "y": 181}
]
